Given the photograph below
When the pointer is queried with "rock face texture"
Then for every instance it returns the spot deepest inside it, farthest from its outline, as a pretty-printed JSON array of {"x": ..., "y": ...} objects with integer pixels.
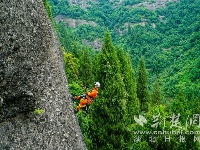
[{"x": 32, "y": 77}]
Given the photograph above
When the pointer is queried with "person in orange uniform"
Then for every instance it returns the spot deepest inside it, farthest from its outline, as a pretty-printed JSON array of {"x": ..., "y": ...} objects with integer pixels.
[{"x": 88, "y": 98}]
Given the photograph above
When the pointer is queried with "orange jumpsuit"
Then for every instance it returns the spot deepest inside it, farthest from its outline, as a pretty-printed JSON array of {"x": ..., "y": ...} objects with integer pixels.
[{"x": 89, "y": 98}]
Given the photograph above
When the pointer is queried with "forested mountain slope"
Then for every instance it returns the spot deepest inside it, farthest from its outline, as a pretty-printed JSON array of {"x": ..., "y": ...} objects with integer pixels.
[
  {"x": 166, "y": 33},
  {"x": 159, "y": 83}
]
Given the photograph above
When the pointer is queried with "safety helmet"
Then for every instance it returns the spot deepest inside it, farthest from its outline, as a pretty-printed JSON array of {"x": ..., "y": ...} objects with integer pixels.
[{"x": 97, "y": 84}]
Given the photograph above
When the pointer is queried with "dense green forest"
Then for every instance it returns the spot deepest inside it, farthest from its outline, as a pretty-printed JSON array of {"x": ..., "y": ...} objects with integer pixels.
[{"x": 148, "y": 67}]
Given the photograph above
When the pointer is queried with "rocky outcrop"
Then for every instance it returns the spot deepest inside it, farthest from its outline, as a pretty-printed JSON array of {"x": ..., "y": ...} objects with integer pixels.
[
  {"x": 155, "y": 4},
  {"x": 83, "y": 4},
  {"x": 32, "y": 78},
  {"x": 73, "y": 23},
  {"x": 96, "y": 44},
  {"x": 149, "y": 4}
]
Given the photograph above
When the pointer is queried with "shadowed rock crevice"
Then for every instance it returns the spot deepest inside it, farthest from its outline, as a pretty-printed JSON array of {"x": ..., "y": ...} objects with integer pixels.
[
  {"x": 17, "y": 105},
  {"x": 32, "y": 77}
]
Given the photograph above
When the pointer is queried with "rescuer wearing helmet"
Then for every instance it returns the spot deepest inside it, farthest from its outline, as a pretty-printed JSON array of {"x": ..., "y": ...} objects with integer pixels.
[{"x": 88, "y": 98}]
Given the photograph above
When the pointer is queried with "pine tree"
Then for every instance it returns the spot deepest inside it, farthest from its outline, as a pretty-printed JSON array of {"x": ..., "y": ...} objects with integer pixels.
[
  {"x": 107, "y": 129},
  {"x": 95, "y": 64},
  {"x": 130, "y": 83},
  {"x": 156, "y": 94},
  {"x": 85, "y": 70},
  {"x": 142, "y": 86}
]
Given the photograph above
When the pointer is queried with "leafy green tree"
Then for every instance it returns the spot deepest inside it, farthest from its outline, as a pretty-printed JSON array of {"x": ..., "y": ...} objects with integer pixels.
[
  {"x": 142, "y": 86},
  {"x": 65, "y": 37},
  {"x": 48, "y": 9},
  {"x": 108, "y": 129},
  {"x": 84, "y": 122},
  {"x": 180, "y": 106},
  {"x": 195, "y": 105},
  {"x": 71, "y": 67}
]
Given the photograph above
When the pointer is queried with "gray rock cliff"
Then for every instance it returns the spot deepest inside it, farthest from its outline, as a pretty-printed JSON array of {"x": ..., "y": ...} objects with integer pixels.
[{"x": 32, "y": 77}]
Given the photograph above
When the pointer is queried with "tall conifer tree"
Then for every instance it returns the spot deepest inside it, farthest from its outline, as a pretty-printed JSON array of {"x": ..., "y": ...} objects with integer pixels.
[
  {"x": 107, "y": 129},
  {"x": 142, "y": 86},
  {"x": 85, "y": 71},
  {"x": 156, "y": 94},
  {"x": 130, "y": 83}
]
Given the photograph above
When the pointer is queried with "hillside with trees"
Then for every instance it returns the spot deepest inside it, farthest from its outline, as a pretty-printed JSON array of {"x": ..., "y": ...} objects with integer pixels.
[{"x": 148, "y": 65}]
